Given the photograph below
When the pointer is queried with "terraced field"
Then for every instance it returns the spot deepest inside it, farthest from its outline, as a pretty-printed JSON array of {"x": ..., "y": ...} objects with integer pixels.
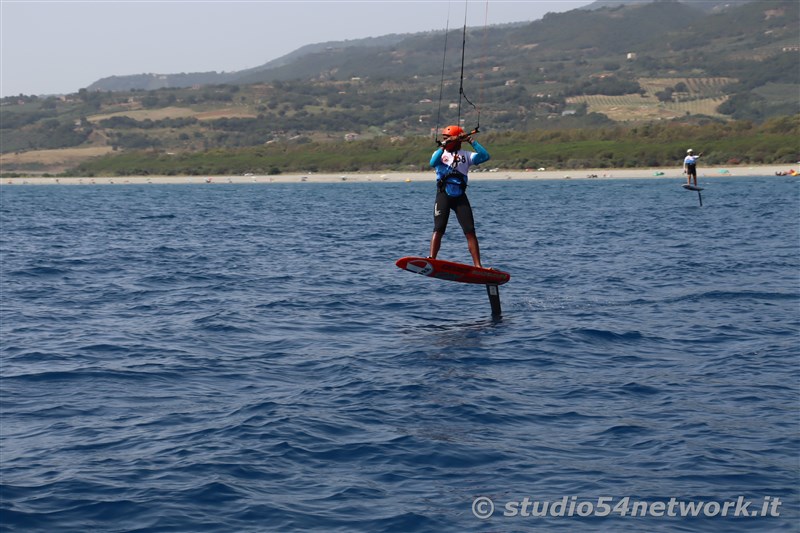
[
  {"x": 703, "y": 97},
  {"x": 698, "y": 87},
  {"x": 179, "y": 112}
]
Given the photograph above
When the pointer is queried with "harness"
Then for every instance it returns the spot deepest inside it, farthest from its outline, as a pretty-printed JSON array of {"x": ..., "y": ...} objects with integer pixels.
[{"x": 453, "y": 182}]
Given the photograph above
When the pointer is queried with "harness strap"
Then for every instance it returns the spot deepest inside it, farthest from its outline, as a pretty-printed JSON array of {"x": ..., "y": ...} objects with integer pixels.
[{"x": 462, "y": 181}]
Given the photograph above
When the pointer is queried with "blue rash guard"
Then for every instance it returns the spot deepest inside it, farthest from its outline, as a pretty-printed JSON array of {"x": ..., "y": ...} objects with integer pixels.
[{"x": 452, "y": 167}]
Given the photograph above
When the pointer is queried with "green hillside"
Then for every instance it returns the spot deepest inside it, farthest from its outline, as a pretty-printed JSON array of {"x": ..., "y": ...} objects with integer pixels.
[
  {"x": 649, "y": 145},
  {"x": 663, "y": 61}
]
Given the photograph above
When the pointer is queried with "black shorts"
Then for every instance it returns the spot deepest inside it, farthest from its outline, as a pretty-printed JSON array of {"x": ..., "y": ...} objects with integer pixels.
[
  {"x": 459, "y": 204},
  {"x": 691, "y": 170}
]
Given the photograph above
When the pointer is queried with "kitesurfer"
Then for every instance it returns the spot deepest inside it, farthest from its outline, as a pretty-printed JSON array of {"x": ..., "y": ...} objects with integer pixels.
[
  {"x": 690, "y": 166},
  {"x": 452, "y": 164}
]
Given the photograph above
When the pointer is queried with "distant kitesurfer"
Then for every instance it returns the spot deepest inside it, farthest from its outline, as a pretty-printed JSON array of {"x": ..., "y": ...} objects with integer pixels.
[
  {"x": 690, "y": 166},
  {"x": 452, "y": 164}
]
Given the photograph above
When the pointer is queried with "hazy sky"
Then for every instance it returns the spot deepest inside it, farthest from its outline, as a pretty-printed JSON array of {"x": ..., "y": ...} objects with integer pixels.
[{"x": 61, "y": 46}]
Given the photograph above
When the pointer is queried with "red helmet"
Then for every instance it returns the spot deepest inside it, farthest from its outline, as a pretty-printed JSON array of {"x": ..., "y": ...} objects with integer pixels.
[{"x": 453, "y": 131}]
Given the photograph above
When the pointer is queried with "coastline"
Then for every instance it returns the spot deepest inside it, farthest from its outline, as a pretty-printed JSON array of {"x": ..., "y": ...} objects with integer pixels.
[{"x": 673, "y": 173}]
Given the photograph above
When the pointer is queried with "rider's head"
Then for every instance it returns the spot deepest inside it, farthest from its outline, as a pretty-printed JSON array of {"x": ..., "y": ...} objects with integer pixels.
[{"x": 451, "y": 137}]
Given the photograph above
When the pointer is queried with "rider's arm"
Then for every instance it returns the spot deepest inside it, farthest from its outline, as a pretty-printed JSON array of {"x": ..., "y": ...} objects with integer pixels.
[
  {"x": 481, "y": 155},
  {"x": 436, "y": 158}
]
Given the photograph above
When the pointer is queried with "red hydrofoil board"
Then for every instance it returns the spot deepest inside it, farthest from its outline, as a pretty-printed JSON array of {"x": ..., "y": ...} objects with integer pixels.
[{"x": 447, "y": 270}]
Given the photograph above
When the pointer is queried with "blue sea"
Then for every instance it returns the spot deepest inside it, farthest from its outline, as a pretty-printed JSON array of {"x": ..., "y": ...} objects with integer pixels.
[{"x": 247, "y": 358}]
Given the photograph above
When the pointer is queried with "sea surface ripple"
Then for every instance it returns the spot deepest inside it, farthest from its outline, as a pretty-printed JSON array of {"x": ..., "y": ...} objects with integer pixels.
[{"x": 247, "y": 358}]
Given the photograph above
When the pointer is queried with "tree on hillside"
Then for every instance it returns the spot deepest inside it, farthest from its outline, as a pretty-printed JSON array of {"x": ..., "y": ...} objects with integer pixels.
[{"x": 665, "y": 95}]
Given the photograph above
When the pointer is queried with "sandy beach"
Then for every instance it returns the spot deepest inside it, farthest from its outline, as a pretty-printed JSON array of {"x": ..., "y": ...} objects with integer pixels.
[{"x": 361, "y": 177}]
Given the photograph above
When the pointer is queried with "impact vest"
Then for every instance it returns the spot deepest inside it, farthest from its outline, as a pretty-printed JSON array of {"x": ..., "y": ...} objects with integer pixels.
[{"x": 451, "y": 173}]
